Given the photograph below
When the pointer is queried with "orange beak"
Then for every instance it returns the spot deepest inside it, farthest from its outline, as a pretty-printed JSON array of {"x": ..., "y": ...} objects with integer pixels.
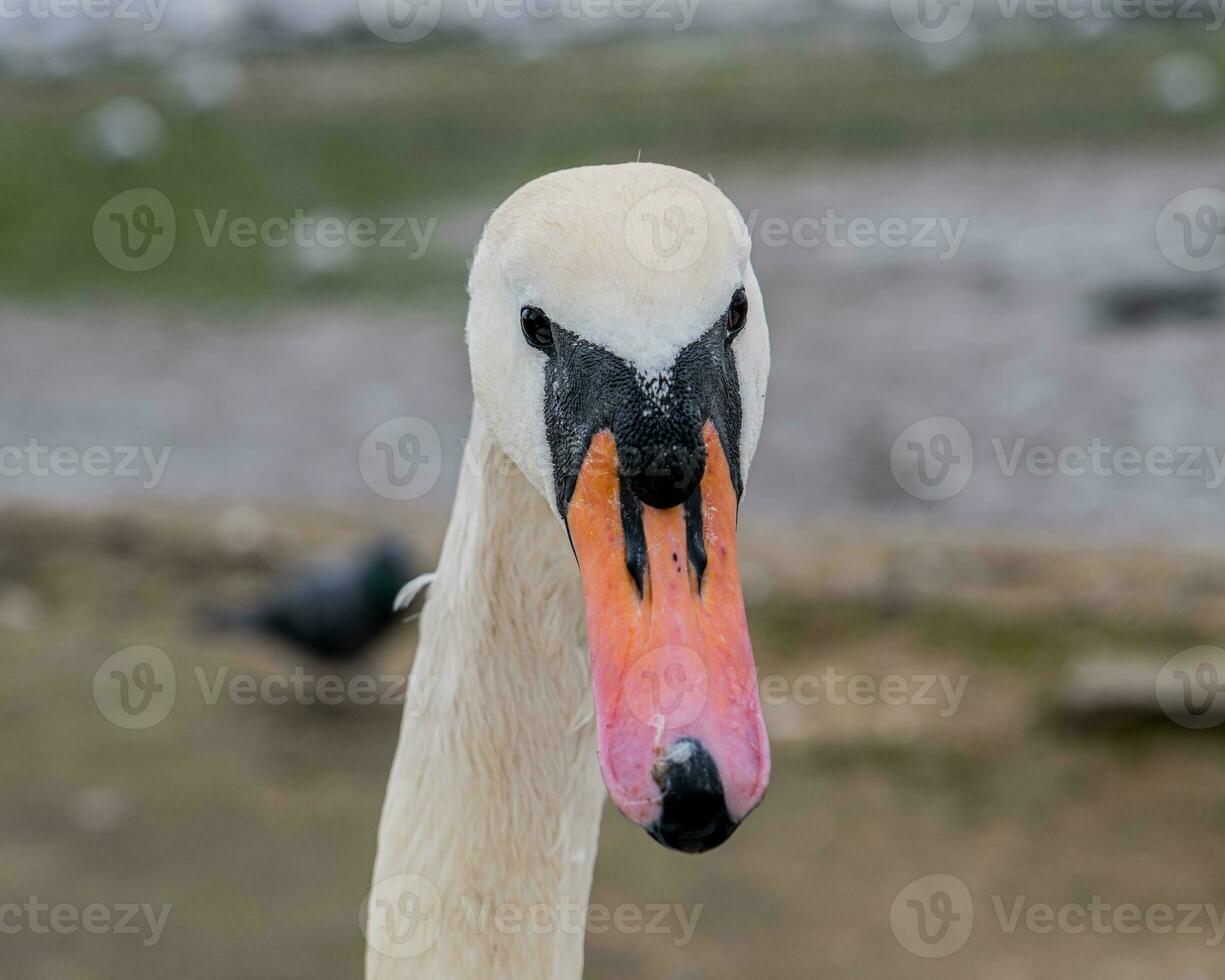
[{"x": 682, "y": 744}]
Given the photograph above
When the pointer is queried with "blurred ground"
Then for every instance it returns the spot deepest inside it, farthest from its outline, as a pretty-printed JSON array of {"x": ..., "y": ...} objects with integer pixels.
[{"x": 256, "y": 823}]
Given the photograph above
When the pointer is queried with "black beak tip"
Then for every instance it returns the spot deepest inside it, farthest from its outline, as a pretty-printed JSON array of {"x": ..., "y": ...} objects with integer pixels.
[
  {"x": 694, "y": 818},
  {"x": 693, "y": 840}
]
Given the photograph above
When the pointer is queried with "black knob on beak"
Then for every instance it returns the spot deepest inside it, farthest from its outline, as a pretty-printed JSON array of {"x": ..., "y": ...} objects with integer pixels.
[{"x": 666, "y": 475}]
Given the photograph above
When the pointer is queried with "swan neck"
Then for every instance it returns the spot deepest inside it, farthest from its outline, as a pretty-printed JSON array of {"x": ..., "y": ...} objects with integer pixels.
[{"x": 495, "y": 793}]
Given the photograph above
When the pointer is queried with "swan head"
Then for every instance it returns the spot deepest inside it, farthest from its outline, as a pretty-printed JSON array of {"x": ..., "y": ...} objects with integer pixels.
[{"x": 619, "y": 355}]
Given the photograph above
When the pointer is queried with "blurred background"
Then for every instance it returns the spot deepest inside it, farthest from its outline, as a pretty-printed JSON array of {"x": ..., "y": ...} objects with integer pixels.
[{"x": 982, "y": 544}]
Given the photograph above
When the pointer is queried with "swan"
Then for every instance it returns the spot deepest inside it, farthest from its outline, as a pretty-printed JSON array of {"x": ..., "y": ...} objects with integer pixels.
[{"x": 584, "y": 631}]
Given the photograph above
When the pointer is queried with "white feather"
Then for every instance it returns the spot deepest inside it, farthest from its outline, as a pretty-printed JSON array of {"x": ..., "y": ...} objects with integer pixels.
[{"x": 411, "y": 590}]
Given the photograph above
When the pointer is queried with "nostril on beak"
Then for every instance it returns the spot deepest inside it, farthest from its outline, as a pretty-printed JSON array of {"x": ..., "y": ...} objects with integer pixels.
[{"x": 694, "y": 817}]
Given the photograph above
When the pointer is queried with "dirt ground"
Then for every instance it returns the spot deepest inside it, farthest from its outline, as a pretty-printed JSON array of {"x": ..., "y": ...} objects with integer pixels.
[{"x": 256, "y": 823}]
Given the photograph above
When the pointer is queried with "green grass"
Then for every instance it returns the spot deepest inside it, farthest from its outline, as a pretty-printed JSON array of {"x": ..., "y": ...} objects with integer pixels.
[{"x": 449, "y": 131}]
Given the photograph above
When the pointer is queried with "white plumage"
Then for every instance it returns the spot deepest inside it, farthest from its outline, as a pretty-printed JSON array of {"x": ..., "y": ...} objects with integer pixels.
[{"x": 495, "y": 792}]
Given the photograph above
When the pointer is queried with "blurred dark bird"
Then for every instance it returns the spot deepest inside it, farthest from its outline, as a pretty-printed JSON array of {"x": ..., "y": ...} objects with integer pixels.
[
  {"x": 1145, "y": 304},
  {"x": 333, "y": 609}
]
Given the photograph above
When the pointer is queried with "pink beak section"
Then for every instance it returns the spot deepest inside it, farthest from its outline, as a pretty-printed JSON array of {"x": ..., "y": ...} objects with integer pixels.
[{"x": 683, "y": 747}]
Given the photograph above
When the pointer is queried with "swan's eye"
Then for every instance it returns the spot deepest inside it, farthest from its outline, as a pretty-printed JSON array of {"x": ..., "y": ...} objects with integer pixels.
[
  {"x": 537, "y": 330},
  {"x": 737, "y": 314}
]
